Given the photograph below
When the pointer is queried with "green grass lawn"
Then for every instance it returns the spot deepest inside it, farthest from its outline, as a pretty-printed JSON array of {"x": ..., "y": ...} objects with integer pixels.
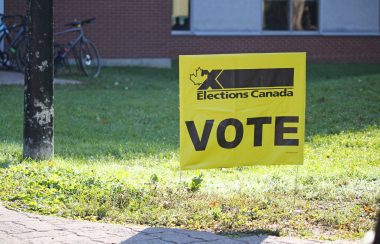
[{"x": 116, "y": 159}]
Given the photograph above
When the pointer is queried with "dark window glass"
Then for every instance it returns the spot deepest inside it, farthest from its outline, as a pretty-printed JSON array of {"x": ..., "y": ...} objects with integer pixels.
[
  {"x": 276, "y": 14},
  {"x": 181, "y": 15},
  {"x": 304, "y": 15}
]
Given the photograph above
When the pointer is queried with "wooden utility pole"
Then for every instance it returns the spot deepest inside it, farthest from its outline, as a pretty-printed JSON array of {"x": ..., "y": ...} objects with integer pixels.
[{"x": 38, "y": 92}]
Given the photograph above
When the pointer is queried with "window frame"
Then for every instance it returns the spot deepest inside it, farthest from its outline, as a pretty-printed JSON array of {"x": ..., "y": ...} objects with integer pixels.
[
  {"x": 318, "y": 32},
  {"x": 183, "y": 32}
]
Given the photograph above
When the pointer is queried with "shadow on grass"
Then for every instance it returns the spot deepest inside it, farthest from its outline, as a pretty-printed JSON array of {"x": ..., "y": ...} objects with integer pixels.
[{"x": 5, "y": 164}]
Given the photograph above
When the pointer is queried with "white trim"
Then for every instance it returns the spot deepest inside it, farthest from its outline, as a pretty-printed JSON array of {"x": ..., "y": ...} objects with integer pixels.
[
  {"x": 323, "y": 24},
  {"x": 138, "y": 62},
  {"x": 261, "y": 33},
  {"x": 225, "y": 33},
  {"x": 290, "y": 20},
  {"x": 182, "y": 33},
  {"x": 320, "y": 15},
  {"x": 290, "y": 33},
  {"x": 261, "y": 13},
  {"x": 191, "y": 15},
  {"x": 350, "y": 34},
  {"x": 319, "y": 32},
  {"x": 274, "y": 33}
]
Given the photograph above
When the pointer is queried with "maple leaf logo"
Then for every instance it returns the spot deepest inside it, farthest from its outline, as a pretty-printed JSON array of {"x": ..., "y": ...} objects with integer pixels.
[{"x": 198, "y": 78}]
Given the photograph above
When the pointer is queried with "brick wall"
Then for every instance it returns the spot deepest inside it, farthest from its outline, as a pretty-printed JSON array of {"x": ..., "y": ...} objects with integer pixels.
[
  {"x": 123, "y": 28},
  {"x": 318, "y": 48},
  {"x": 142, "y": 29}
]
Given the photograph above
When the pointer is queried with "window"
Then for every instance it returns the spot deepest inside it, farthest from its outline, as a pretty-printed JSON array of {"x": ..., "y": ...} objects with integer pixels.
[
  {"x": 276, "y": 14},
  {"x": 181, "y": 15},
  {"x": 290, "y": 15}
]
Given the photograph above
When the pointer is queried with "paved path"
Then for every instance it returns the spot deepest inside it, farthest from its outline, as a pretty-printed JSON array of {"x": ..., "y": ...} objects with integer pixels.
[
  {"x": 16, "y": 78},
  {"x": 16, "y": 227}
]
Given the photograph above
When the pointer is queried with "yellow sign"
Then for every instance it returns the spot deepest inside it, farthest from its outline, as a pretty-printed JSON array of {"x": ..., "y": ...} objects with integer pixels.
[{"x": 242, "y": 109}]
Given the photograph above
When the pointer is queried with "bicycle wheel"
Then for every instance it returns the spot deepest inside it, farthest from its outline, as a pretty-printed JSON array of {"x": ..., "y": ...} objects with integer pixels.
[
  {"x": 21, "y": 59},
  {"x": 8, "y": 57},
  {"x": 89, "y": 59}
]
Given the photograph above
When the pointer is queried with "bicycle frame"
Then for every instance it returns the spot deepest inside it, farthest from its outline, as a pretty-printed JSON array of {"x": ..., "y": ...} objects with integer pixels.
[
  {"x": 14, "y": 41},
  {"x": 14, "y": 35},
  {"x": 73, "y": 43}
]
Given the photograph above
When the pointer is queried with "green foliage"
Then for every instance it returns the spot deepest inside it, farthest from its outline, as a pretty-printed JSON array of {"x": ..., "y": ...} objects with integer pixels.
[
  {"x": 117, "y": 159},
  {"x": 154, "y": 179},
  {"x": 196, "y": 183}
]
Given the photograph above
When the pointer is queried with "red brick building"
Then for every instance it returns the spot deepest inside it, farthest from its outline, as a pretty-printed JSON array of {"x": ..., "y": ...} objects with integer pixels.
[{"x": 152, "y": 32}]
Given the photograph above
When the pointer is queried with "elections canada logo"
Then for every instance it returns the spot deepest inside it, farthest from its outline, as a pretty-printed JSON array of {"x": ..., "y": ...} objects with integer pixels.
[{"x": 243, "y": 83}]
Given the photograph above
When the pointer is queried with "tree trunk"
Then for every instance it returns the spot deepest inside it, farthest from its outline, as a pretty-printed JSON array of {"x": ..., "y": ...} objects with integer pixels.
[{"x": 38, "y": 90}]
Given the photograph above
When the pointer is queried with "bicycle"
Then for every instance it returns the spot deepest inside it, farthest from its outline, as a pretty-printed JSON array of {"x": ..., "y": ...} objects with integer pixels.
[
  {"x": 87, "y": 58},
  {"x": 12, "y": 35},
  {"x": 83, "y": 50}
]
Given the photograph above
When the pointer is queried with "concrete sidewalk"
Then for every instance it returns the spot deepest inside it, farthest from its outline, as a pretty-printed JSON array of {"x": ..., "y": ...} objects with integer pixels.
[
  {"x": 17, "y": 227},
  {"x": 16, "y": 78}
]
